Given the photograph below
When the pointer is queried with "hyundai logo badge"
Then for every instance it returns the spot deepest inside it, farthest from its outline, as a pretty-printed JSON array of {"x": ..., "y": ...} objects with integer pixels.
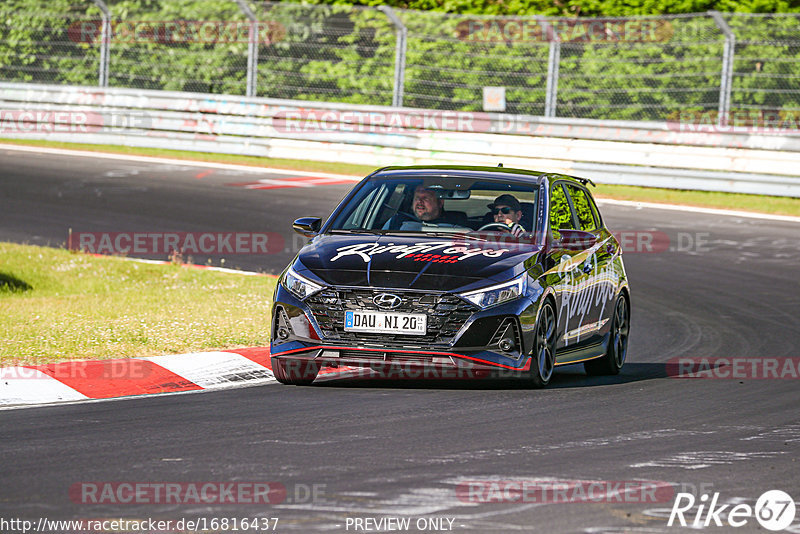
[{"x": 387, "y": 301}]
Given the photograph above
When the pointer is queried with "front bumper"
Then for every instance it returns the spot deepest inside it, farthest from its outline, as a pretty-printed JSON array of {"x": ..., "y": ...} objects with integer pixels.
[{"x": 464, "y": 339}]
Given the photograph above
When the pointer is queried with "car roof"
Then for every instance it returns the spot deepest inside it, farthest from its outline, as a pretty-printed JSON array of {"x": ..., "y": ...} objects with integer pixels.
[{"x": 506, "y": 173}]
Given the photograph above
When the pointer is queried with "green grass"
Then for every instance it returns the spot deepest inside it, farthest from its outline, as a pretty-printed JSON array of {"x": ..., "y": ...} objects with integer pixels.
[
  {"x": 57, "y": 305},
  {"x": 734, "y": 201},
  {"x": 707, "y": 199}
]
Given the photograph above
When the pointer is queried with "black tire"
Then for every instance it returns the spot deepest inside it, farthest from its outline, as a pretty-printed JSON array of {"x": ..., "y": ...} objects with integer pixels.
[
  {"x": 294, "y": 372},
  {"x": 613, "y": 360},
  {"x": 543, "y": 357}
]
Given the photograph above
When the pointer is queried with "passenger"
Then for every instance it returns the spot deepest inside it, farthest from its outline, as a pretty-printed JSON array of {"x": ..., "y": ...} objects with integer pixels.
[{"x": 507, "y": 210}]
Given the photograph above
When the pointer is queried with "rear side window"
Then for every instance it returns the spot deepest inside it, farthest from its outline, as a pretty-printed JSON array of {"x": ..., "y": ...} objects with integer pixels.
[
  {"x": 583, "y": 208},
  {"x": 560, "y": 214}
]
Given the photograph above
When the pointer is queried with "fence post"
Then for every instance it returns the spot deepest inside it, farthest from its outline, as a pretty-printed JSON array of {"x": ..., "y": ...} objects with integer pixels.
[
  {"x": 399, "y": 56},
  {"x": 105, "y": 43},
  {"x": 553, "y": 59},
  {"x": 252, "y": 48},
  {"x": 726, "y": 80}
]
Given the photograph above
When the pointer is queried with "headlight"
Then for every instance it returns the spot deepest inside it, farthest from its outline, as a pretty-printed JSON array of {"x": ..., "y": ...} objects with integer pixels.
[
  {"x": 500, "y": 293},
  {"x": 298, "y": 286}
]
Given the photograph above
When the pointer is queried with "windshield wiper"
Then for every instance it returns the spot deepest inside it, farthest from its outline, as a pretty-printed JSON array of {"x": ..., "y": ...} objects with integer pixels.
[
  {"x": 438, "y": 233},
  {"x": 355, "y": 231}
]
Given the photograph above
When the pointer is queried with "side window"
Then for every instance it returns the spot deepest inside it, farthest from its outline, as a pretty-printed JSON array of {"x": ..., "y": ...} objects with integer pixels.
[
  {"x": 598, "y": 219},
  {"x": 560, "y": 214},
  {"x": 391, "y": 206},
  {"x": 367, "y": 209},
  {"x": 583, "y": 208}
]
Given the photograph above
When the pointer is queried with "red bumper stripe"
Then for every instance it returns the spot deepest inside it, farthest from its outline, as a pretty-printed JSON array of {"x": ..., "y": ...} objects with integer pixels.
[{"x": 493, "y": 364}]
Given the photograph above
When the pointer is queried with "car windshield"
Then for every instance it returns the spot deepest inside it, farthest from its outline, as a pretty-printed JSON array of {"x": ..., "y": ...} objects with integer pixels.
[{"x": 439, "y": 204}]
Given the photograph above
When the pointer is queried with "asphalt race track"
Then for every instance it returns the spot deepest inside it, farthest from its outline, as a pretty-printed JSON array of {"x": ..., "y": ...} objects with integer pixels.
[{"x": 353, "y": 448}]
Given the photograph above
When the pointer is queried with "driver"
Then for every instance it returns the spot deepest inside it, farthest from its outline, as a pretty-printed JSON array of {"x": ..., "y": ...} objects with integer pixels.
[
  {"x": 428, "y": 208},
  {"x": 427, "y": 205},
  {"x": 507, "y": 210}
]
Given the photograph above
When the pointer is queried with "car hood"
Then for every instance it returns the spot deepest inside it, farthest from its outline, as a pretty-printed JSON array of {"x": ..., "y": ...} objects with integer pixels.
[{"x": 413, "y": 261}]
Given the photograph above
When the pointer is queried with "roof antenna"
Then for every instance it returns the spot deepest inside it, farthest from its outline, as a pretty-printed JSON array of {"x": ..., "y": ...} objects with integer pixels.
[{"x": 499, "y": 164}]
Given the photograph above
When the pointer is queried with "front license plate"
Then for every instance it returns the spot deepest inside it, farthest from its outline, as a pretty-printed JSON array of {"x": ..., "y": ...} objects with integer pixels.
[{"x": 385, "y": 322}]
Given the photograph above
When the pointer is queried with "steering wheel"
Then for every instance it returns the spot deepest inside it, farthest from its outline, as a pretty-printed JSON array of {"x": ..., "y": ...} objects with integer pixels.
[{"x": 495, "y": 226}]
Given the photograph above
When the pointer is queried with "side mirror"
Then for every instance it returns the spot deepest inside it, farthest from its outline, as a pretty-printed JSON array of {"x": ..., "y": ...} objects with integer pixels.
[
  {"x": 307, "y": 226},
  {"x": 565, "y": 239}
]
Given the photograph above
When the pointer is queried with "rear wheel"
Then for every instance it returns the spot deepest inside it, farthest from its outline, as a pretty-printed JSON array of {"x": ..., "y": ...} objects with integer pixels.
[
  {"x": 543, "y": 359},
  {"x": 294, "y": 372},
  {"x": 617, "y": 350}
]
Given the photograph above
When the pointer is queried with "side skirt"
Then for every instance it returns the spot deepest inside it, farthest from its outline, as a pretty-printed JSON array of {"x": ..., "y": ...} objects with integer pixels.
[{"x": 582, "y": 354}]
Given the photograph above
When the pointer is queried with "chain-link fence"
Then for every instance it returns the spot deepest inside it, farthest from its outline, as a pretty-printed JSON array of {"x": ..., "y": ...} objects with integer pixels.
[
  {"x": 766, "y": 62},
  {"x": 719, "y": 66}
]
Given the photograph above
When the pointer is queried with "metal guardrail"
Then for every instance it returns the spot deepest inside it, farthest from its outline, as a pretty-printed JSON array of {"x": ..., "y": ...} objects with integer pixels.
[
  {"x": 725, "y": 67},
  {"x": 646, "y": 154}
]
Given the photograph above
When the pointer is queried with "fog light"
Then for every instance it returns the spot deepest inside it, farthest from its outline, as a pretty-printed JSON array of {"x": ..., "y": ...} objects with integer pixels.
[
  {"x": 283, "y": 333},
  {"x": 506, "y": 345}
]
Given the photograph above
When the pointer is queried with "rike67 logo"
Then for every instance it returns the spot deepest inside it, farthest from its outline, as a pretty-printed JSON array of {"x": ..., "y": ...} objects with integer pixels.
[{"x": 774, "y": 510}]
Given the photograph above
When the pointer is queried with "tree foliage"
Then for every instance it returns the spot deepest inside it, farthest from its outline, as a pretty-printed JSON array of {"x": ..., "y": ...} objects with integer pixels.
[{"x": 334, "y": 51}]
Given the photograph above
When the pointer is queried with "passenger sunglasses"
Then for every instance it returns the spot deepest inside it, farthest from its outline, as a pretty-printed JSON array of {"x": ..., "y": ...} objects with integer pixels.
[{"x": 505, "y": 210}]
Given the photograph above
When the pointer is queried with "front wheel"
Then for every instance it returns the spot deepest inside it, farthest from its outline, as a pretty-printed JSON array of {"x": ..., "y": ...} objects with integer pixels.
[
  {"x": 543, "y": 359},
  {"x": 294, "y": 372},
  {"x": 614, "y": 358}
]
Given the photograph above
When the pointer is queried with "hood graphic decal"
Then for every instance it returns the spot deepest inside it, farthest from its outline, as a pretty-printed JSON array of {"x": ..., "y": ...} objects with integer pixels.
[
  {"x": 424, "y": 251},
  {"x": 414, "y": 261},
  {"x": 419, "y": 274},
  {"x": 369, "y": 268}
]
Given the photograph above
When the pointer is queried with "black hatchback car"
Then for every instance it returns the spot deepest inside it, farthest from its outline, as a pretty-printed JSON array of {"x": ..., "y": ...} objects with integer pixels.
[{"x": 449, "y": 267}]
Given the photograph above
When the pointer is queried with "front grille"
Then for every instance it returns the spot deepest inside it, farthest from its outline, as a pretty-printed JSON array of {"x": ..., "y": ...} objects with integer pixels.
[
  {"x": 388, "y": 356},
  {"x": 446, "y": 314}
]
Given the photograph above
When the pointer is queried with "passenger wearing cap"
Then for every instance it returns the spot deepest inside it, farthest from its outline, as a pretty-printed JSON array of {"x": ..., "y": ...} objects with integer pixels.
[{"x": 507, "y": 210}]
